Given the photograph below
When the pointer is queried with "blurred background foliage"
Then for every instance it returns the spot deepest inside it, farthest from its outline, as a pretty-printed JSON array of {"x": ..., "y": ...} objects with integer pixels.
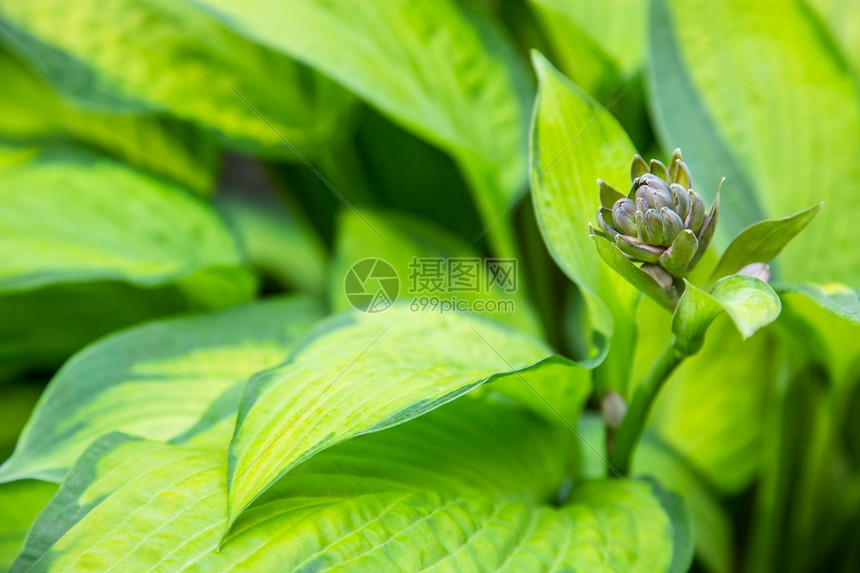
[{"x": 161, "y": 158}]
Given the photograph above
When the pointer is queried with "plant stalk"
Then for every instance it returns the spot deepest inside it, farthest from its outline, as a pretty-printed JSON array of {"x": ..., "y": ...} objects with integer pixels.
[{"x": 637, "y": 413}]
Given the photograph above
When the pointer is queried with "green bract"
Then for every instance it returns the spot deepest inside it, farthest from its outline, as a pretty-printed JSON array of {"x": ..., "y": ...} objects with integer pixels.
[{"x": 661, "y": 223}]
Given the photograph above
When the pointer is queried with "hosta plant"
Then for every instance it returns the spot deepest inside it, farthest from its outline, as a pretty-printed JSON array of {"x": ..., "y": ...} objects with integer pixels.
[{"x": 232, "y": 336}]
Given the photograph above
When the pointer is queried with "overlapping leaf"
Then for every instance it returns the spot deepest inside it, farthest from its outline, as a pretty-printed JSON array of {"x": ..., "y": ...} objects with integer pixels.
[
  {"x": 709, "y": 522},
  {"x": 438, "y": 67},
  {"x": 575, "y": 142},
  {"x": 359, "y": 506},
  {"x": 102, "y": 56},
  {"x": 362, "y": 373},
  {"x": 76, "y": 217},
  {"x": 154, "y": 381}
]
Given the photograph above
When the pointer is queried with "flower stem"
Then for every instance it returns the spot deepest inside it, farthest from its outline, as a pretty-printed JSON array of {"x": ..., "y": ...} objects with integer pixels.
[{"x": 637, "y": 413}]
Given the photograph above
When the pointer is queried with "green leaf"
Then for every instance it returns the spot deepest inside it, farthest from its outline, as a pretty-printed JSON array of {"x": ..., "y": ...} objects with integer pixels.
[
  {"x": 30, "y": 110},
  {"x": 575, "y": 142},
  {"x": 142, "y": 505},
  {"x": 398, "y": 239},
  {"x": 362, "y": 373},
  {"x": 762, "y": 242},
  {"x": 153, "y": 380},
  {"x": 766, "y": 121},
  {"x": 749, "y": 302},
  {"x": 20, "y": 502},
  {"x": 62, "y": 221},
  {"x": 88, "y": 246},
  {"x": 437, "y": 67},
  {"x": 100, "y": 56}
]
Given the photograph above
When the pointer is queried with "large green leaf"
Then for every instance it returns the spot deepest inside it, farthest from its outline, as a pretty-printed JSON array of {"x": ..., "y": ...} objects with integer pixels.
[
  {"x": 401, "y": 240},
  {"x": 101, "y": 56},
  {"x": 376, "y": 503},
  {"x": 362, "y": 373},
  {"x": 575, "y": 142},
  {"x": 437, "y": 67},
  {"x": 88, "y": 245},
  {"x": 75, "y": 217},
  {"x": 783, "y": 126},
  {"x": 29, "y": 109},
  {"x": 20, "y": 503},
  {"x": 153, "y": 380}
]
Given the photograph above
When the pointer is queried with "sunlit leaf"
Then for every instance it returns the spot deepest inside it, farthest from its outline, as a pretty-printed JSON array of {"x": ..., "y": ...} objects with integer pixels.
[
  {"x": 843, "y": 19},
  {"x": 30, "y": 110},
  {"x": 101, "y": 56},
  {"x": 362, "y": 373},
  {"x": 88, "y": 245},
  {"x": 575, "y": 142},
  {"x": 144, "y": 505},
  {"x": 76, "y": 217},
  {"x": 154, "y": 381}
]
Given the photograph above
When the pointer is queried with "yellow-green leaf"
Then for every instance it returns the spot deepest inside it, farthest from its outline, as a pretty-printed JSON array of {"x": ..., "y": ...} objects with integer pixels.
[
  {"x": 361, "y": 373},
  {"x": 30, "y": 110},
  {"x": 139, "y": 505},
  {"x": 154, "y": 381},
  {"x": 749, "y": 302},
  {"x": 101, "y": 56}
]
